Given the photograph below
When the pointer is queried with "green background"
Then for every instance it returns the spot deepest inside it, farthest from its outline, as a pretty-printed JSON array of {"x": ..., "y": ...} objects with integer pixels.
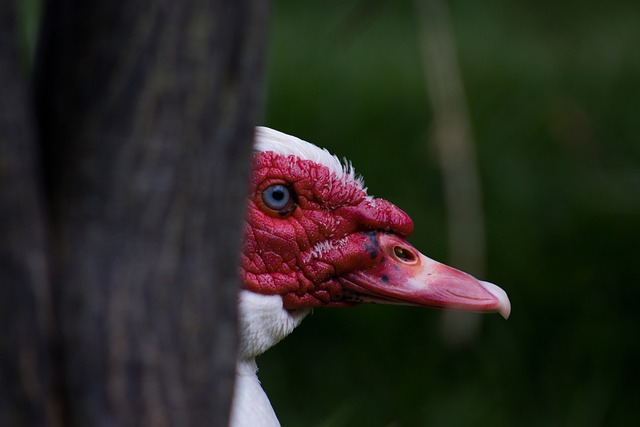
[{"x": 553, "y": 90}]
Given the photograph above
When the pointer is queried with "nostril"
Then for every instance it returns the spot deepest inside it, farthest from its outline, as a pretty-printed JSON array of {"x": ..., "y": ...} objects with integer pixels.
[{"x": 405, "y": 255}]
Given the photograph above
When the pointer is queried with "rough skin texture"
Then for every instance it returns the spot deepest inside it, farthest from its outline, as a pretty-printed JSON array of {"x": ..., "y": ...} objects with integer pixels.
[{"x": 301, "y": 253}]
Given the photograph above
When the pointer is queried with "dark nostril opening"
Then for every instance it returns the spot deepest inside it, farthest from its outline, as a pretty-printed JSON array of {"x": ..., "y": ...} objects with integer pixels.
[{"x": 405, "y": 255}]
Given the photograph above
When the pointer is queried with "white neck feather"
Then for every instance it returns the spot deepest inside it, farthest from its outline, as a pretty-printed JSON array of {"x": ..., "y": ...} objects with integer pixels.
[{"x": 262, "y": 323}]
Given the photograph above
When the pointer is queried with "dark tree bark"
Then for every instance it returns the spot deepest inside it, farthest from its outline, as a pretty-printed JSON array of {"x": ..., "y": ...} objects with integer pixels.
[
  {"x": 25, "y": 310},
  {"x": 145, "y": 114}
]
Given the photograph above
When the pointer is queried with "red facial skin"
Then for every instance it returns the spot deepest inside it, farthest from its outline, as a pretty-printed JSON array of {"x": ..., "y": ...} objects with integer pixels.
[
  {"x": 332, "y": 245},
  {"x": 278, "y": 255}
]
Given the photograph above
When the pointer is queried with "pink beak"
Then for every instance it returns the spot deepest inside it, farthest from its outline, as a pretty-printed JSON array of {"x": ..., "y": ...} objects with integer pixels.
[{"x": 403, "y": 275}]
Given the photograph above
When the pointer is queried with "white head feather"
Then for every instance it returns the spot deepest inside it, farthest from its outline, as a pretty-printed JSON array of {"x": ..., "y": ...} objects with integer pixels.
[{"x": 267, "y": 139}]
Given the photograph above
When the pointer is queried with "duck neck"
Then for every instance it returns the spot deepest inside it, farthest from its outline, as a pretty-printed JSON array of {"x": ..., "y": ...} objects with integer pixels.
[{"x": 262, "y": 323}]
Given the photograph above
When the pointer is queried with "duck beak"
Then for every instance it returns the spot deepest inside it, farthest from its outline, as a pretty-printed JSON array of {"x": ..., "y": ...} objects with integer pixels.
[{"x": 403, "y": 275}]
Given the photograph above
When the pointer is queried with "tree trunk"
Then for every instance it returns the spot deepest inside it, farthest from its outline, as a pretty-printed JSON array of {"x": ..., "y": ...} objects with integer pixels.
[
  {"x": 25, "y": 310},
  {"x": 145, "y": 112}
]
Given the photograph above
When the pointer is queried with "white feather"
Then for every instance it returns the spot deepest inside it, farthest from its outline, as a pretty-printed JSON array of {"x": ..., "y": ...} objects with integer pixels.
[
  {"x": 262, "y": 323},
  {"x": 267, "y": 139},
  {"x": 251, "y": 406}
]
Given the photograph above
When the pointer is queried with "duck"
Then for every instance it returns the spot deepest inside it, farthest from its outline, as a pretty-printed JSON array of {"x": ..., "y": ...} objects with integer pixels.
[{"x": 314, "y": 237}]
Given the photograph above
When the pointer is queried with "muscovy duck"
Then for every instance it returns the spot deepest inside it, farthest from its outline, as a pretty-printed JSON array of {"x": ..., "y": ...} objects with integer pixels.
[{"x": 314, "y": 238}]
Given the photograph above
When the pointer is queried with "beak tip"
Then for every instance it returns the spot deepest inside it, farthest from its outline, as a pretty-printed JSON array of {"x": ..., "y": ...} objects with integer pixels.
[{"x": 504, "y": 305}]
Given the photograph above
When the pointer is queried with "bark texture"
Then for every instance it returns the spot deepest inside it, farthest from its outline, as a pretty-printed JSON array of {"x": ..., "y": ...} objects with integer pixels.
[
  {"x": 144, "y": 112},
  {"x": 25, "y": 315}
]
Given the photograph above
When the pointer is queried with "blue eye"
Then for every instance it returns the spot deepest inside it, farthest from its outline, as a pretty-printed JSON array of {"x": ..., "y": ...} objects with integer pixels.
[{"x": 279, "y": 198}]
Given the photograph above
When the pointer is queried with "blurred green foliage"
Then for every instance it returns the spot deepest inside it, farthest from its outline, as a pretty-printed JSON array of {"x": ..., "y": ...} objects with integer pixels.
[
  {"x": 28, "y": 12},
  {"x": 554, "y": 96}
]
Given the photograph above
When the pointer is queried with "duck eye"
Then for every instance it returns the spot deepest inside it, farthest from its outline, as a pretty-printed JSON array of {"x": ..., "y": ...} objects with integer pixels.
[{"x": 279, "y": 198}]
